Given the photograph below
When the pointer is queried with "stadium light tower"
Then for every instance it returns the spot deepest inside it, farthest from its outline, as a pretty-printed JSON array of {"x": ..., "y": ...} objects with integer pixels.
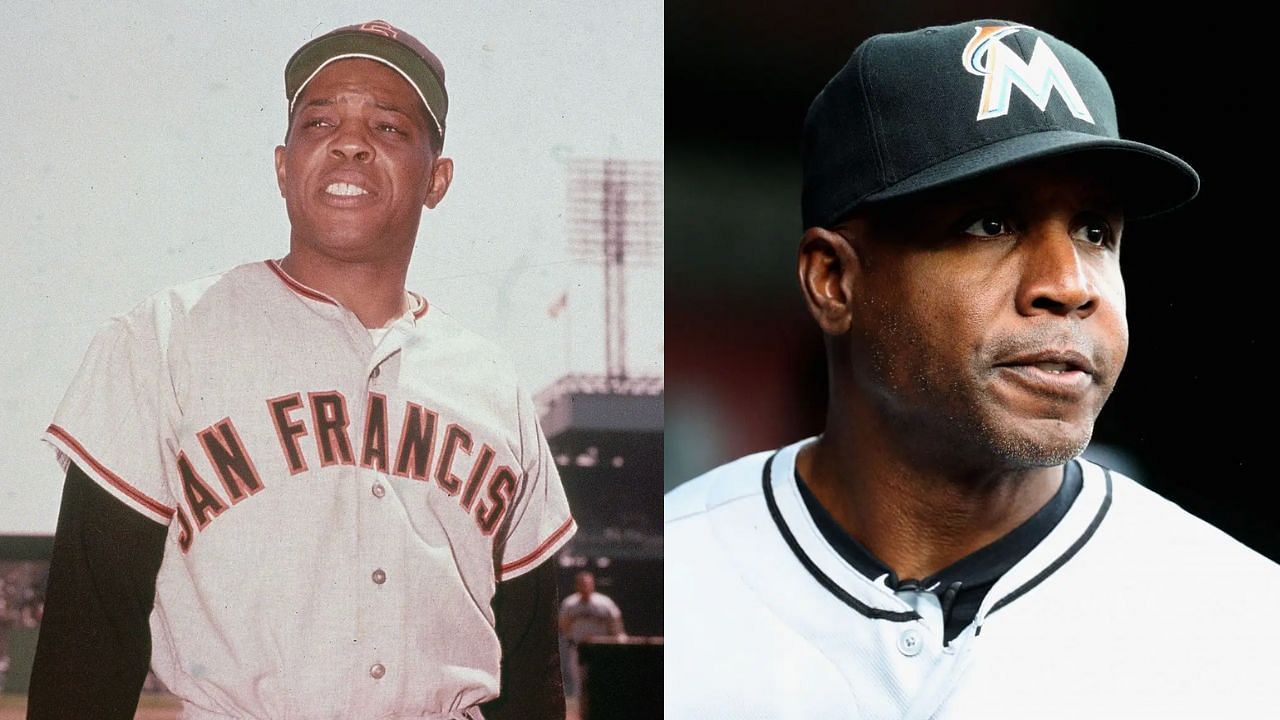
[{"x": 615, "y": 218}]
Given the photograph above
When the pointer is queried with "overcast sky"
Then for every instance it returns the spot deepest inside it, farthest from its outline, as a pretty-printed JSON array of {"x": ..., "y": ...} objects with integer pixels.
[{"x": 137, "y": 154}]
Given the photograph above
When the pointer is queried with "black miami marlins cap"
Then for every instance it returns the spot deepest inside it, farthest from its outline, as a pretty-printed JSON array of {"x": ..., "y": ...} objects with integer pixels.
[
  {"x": 915, "y": 111},
  {"x": 376, "y": 40}
]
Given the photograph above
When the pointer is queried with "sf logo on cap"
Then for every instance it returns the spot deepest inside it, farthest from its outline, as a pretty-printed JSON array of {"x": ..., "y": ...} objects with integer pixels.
[
  {"x": 1002, "y": 69},
  {"x": 381, "y": 27}
]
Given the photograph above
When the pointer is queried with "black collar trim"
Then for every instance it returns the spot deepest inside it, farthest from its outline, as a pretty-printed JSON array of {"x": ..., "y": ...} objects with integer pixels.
[
  {"x": 831, "y": 585},
  {"x": 874, "y": 599},
  {"x": 982, "y": 567},
  {"x": 1066, "y": 555}
]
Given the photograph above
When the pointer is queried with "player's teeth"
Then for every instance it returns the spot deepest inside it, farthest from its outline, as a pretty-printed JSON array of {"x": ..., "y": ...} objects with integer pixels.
[
  {"x": 1053, "y": 367},
  {"x": 345, "y": 189}
]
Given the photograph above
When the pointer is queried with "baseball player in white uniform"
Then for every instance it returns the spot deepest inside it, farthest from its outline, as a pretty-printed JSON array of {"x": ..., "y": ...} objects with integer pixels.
[
  {"x": 584, "y": 615},
  {"x": 941, "y": 550},
  {"x": 339, "y": 498}
]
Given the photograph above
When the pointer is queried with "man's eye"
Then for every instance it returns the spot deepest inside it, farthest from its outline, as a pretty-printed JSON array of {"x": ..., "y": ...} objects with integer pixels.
[
  {"x": 1094, "y": 233},
  {"x": 316, "y": 122},
  {"x": 388, "y": 128},
  {"x": 988, "y": 227}
]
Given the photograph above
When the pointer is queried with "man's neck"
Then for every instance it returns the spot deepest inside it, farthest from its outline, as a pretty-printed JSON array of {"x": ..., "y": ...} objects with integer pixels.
[
  {"x": 914, "y": 515},
  {"x": 374, "y": 291}
]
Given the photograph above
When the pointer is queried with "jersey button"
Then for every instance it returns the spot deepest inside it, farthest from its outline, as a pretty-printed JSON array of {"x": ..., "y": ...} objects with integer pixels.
[
  {"x": 377, "y": 671},
  {"x": 376, "y": 372},
  {"x": 910, "y": 643},
  {"x": 378, "y": 490},
  {"x": 379, "y": 576}
]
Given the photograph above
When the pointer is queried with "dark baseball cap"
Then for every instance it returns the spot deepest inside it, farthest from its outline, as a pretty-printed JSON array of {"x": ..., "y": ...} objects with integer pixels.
[
  {"x": 375, "y": 40},
  {"x": 919, "y": 110}
]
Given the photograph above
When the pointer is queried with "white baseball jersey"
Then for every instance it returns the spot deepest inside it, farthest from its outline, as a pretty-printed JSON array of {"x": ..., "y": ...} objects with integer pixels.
[
  {"x": 1128, "y": 608},
  {"x": 339, "y": 511},
  {"x": 595, "y": 617}
]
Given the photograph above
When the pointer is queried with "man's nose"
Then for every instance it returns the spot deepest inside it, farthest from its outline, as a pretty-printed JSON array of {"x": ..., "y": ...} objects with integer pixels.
[
  {"x": 1056, "y": 275},
  {"x": 351, "y": 142}
]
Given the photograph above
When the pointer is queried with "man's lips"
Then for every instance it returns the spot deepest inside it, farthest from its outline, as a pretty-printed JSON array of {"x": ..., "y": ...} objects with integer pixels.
[{"x": 1063, "y": 373}]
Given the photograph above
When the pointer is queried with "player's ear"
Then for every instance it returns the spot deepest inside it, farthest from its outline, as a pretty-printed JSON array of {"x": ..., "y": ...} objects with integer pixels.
[
  {"x": 280, "y": 168},
  {"x": 828, "y": 268},
  {"x": 441, "y": 177}
]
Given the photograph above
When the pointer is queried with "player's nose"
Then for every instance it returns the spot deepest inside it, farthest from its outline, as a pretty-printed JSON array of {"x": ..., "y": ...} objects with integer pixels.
[
  {"x": 351, "y": 142},
  {"x": 1056, "y": 276}
]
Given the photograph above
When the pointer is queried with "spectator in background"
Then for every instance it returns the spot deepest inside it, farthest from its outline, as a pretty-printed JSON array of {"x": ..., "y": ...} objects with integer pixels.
[{"x": 585, "y": 615}]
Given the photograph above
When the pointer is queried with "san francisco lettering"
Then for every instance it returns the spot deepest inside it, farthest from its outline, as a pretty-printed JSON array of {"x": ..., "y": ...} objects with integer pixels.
[{"x": 428, "y": 450}]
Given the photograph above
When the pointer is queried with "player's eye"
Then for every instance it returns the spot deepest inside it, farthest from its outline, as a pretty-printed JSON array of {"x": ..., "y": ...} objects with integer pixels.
[
  {"x": 1095, "y": 231},
  {"x": 389, "y": 128},
  {"x": 988, "y": 226},
  {"x": 316, "y": 122}
]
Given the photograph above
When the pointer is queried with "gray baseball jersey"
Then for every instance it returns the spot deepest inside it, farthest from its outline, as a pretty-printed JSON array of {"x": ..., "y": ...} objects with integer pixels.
[
  {"x": 339, "y": 510},
  {"x": 1128, "y": 608}
]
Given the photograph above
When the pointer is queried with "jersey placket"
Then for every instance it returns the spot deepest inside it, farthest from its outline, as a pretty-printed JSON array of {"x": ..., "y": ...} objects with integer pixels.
[
  {"x": 928, "y": 666},
  {"x": 379, "y": 604}
]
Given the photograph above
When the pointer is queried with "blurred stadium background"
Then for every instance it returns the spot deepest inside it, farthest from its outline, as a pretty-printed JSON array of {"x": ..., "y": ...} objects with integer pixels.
[{"x": 746, "y": 362}]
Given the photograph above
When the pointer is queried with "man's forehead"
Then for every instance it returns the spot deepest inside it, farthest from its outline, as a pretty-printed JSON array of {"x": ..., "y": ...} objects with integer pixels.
[{"x": 364, "y": 81}]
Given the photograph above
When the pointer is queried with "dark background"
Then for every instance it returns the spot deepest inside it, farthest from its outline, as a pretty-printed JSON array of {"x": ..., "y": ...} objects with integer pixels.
[{"x": 745, "y": 364}]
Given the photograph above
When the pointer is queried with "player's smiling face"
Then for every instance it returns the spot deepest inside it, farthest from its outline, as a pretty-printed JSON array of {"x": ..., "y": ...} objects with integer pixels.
[
  {"x": 358, "y": 165},
  {"x": 990, "y": 317}
]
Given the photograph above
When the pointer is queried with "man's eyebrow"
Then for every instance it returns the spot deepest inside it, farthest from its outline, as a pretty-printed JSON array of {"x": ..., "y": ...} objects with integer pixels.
[
  {"x": 391, "y": 108},
  {"x": 381, "y": 105}
]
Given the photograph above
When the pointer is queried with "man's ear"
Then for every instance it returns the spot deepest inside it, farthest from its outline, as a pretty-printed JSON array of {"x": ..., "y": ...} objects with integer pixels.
[
  {"x": 829, "y": 270},
  {"x": 280, "y": 168},
  {"x": 441, "y": 177}
]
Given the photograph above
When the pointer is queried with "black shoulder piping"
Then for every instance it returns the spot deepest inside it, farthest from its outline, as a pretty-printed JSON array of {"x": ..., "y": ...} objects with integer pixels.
[
  {"x": 815, "y": 571},
  {"x": 1064, "y": 557}
]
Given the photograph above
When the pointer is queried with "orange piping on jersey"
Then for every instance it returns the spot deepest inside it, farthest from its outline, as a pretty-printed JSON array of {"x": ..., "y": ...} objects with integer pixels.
[
  {"x": 124, "y": 487},
  {"x": 417, "y": 314},
  {"x": 296, "y": 286},
  {"x": 531, "y": 557}
]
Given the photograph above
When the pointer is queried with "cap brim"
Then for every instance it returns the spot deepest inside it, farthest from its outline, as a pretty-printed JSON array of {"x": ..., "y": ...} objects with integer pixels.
[{"x": 1149, "y": 180}]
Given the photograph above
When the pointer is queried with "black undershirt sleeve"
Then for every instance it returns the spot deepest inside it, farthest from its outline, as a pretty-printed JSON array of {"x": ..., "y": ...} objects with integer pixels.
[
  {"x": 95, "y": 639},
  {"x": 526, "y": 612}
]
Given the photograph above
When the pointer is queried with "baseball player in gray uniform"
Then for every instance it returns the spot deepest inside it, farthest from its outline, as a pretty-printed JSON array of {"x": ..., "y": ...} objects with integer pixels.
[
  {"x": 942, "y": 550},
  {"x": 294, "y": 488}
]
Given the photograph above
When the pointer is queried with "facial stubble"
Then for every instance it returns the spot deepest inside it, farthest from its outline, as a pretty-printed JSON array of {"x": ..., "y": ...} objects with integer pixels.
[{"x": 953, "y": 415}]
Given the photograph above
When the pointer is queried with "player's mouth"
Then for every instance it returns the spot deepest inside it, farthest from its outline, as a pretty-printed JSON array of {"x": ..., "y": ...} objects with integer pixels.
[
  {"x": 342, "y": 189},
  {"x": 347, "y": 191},
  {"x": 1062, "y": 373}
]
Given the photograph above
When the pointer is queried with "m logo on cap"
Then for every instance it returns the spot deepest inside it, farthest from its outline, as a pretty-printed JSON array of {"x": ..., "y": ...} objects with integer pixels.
[{"x": 1002, "y": 69}]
